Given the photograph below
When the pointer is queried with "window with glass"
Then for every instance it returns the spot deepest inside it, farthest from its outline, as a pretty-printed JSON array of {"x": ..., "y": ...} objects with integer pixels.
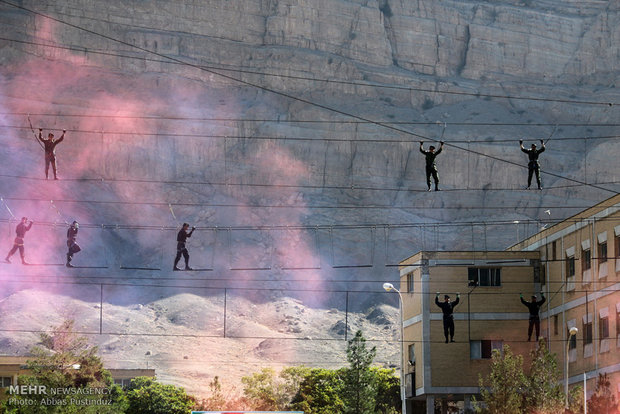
[
  {"x": 484, "y": 349},
  {"x": 484, "y": 276},
  {"x": 572, "y": 343},
  {"x": 586, "y": 257},
  {"x": 6, "y": 382},
  {"x": 602, "y": 252},
  {"x": 409, "y": 282},
  {"x": 570, "y": 266},
  {"x": 587, "y": 333},
  {"x": 603, "y": 327}
]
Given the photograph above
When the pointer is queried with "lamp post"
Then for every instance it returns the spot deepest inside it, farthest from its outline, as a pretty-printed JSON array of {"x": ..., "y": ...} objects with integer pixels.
[
  {"x": 572, "y": 332},
  {"x": 390, "y": 287}
]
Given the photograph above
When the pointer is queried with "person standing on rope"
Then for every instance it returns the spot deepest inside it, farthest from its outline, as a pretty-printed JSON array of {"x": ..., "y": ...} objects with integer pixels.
[
  {"x": 73, "y": 247},
  {"x": 18, "y": 244},
  {"x": 447, "y": 308},
  {"x": 181, "y": 249},
  {"x": 534, "y": 307},
  {"x": 431, "y": 167},
  {"x": 533, "y": 166},
  {"x": 50, "y": 150}
]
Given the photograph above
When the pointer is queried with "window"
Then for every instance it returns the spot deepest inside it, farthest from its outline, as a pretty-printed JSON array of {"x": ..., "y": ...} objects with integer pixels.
[
  {"x": 617, "y": 244},
  {"x": 123, "y": 382},
  {"x": 603, "y": 327},
  {"x": 543, "y": 275},
  {"x": 409, "y": 282},
  {"x": 573, "y": 341},
  {"x": 6, "y": 381},
  {"x": 484, "y": 276},
  {"x": 586, "y": 257},
  {"x": 555, "y": 325},
  {"x": 602, "y": 252},
  {"x": 554, "y": 249},
  {"x": 484, "y": 349},
  {"x": 412, "y": 354},
  {"x": 570, "y": 266},
  {"x": 587, "y": 333}
]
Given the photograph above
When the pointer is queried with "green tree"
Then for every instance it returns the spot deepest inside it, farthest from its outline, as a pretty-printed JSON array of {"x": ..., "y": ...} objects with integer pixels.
[
  {"x": 506, "y": 383},
  {"x": 268, "y": 391},
  {"x": 543, "y": 392},
  {"x": 603, "y": 401},
  {"x": 387, "y": 385},
  {"x": 147, "y": 396},
  {"x": 66, "y": 361},
  {"x": 320, "y": 392},
  {"x": 360, "y": 391}
]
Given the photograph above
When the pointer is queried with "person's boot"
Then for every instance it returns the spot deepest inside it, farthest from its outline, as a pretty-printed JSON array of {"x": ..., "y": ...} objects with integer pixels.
[
  {"x": 24, "y": 261},
  {"x": 68, "y": 264},
  {"x": 6, "y": 259}
]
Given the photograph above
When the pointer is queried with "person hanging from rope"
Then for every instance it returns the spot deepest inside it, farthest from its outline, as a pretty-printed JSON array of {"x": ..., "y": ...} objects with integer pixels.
[
  {"x": 50, "y": 150},
  {"x": 533, "y": 166},
  {"x": 431, "y": 167},
  {"x": 181, "y": 249},
  {"x": 534, "y": 307},
  {"x": 447, "y": 308},
  {"x": 18, "y": 244},
  {"x": 72, "y": 246}
]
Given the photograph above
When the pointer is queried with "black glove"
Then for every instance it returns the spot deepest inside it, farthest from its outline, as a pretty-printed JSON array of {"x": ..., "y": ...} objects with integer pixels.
[
  {"x": 520, "y": 141},
  {"x": 40, "y": 129},
  {"x": 193, "y": 228},
  {"x": 441, "y": 142}
]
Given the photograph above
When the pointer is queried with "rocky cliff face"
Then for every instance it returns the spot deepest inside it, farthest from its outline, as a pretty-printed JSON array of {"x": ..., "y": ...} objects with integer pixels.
[{"x": 288, "y": 132}]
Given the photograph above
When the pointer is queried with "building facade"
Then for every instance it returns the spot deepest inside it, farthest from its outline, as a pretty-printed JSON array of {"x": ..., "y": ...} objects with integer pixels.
[
  {"x": 574, "y": 263},
  {"x": 581, "y": 257},
  {"x": 488, "y": 315}
]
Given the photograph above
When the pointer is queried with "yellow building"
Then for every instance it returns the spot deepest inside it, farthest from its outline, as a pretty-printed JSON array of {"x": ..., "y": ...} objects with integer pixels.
[
  {"x": 488, "y": 315},
  {"x": 581, "y": 257},
  {"x": 572, "y": 263}
]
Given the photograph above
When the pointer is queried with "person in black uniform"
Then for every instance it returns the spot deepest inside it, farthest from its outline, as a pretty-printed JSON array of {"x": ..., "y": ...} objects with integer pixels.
[
  {"x": 533, "y": 166},
  {"x": 447, "y": 308},
  {"x": 181, "y": 249},
  {"x": 18, "y": 244},
  {"x": 50, "y": 150},
  {"x": 533, "y": 307},
  {"x": 431, "y": 167},
  {"x": 71, "y": 242}
]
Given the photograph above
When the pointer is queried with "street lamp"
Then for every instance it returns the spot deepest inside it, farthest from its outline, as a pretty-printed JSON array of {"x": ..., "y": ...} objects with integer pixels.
[
  {"x": 572, "y": 332},
  {"x": 390, "y": 287}
]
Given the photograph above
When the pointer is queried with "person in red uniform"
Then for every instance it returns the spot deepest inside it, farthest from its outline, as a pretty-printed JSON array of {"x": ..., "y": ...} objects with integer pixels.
[
  {"x": 49, "y": 145},
  {"x": 18, "y": 244},
  {"x": 181, "y": 249}
]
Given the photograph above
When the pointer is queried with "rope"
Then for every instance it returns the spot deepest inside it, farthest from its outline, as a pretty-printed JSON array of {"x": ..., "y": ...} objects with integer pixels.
[{"x": 35, "y": 134}]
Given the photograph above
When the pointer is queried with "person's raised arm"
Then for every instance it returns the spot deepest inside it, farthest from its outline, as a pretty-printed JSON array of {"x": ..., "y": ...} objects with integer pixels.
[{"x": 61, "y": 137}]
